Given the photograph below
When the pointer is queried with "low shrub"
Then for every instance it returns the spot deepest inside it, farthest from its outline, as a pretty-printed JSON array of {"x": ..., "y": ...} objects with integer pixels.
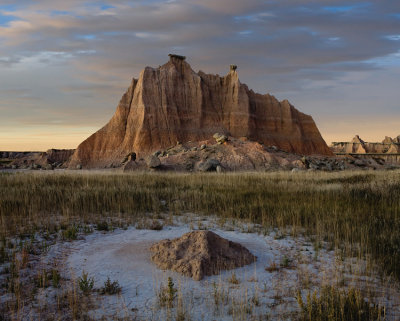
[
  {"x": 70, "y": 233},
  {"x": 167, "y": 294},
  {"x": 103, "y": 226},
  {"x": 110, "y": 288},
  {"x": 86, "y": 283}
]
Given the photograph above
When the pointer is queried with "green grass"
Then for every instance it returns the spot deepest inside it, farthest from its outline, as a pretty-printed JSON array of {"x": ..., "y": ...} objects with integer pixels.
[{"x": 358, "y": 212}]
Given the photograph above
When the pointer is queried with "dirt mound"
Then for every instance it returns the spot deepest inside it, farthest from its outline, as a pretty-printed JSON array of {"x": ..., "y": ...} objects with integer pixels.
[{"x": 200, "y": 253}]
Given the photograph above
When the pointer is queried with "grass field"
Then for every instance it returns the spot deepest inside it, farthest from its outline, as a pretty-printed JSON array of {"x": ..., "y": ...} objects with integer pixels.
[
  {"x": 355, "y": 213},
  {"x": 358, "y": 212}
]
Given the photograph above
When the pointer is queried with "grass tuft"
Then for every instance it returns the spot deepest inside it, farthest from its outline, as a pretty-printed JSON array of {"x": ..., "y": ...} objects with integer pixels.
[
  {"x": 110, "y": 288},
  {"x": 86, "y": 283},
  {"x": 333, "y": 304}
]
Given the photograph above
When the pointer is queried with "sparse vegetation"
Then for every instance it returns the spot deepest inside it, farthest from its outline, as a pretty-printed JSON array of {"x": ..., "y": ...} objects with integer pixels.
[
  {"x": 220, "y": 294},
  {"x": 286, "y": 262},
  {"x": 103, "y": 226},
  {"x": 354, "y": 213},
  {"x": 167, "y": 294},
  {"x": 273, "y": 267},
  {"x": 71, "y": 233},
  {"x": 149, "y": 224},
  {"x": 86, "y": 283},
  {"x": 233, "y": 279},
  {"x": 55, "y": 278},
  {"x": 110, "y": 288},
  {"x": 356, "y": 208},
  {"x": 332, "y": 304}
]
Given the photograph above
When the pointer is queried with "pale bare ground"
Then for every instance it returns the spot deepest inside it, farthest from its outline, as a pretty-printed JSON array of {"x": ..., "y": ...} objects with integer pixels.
[{"x": 286, "y": 264}]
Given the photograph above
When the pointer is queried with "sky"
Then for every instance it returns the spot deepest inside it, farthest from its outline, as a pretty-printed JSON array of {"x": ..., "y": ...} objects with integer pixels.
[{"x": 64, "y": 65}]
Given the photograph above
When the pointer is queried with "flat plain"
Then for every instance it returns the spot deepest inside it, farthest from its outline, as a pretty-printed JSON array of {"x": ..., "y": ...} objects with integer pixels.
[{"x": 308, "y": 222}]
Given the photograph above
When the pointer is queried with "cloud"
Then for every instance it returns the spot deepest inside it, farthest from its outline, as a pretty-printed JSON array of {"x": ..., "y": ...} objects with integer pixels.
[{"x": 78, "y": 57}]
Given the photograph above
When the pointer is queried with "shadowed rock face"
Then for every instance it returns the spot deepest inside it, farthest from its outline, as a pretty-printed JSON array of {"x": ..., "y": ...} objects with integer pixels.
[
  {"x": 59, "y": 155},
  {"x": 53, "y": 157},
  {"x": 173, "y": 103},
  {"x": 200, "y": 253}
]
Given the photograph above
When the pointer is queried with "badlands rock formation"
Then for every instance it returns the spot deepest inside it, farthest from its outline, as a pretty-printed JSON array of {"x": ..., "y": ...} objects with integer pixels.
[
  {"x": 50, "y": 159},
  {"x": 385, "y": 152},
  {"x": 173, "y": 104},
  {"x": 358, "y": 146},
  {"x": 200, "y": 253}
]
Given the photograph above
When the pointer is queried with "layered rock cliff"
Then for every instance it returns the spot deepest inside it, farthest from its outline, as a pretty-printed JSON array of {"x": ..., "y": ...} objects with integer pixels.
[{"x": 173, "y": 103}]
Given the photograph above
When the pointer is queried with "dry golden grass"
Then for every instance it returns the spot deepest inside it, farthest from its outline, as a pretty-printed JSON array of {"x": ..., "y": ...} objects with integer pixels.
[{"x": 356, "y": 211}]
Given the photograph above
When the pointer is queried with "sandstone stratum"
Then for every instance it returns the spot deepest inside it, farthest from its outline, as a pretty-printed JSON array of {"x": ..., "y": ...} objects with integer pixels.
[
  {"x": 172, "y": 103},
  {"x": 200, "y": 253}
]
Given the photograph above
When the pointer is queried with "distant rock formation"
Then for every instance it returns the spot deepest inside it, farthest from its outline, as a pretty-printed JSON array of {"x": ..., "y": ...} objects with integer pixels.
[
  {"x": 358, "y": 146},
  {"x": 173, "y": 104},
  {"x": 50, "y": 159},
  {"x": 388, "y": 150},
  {"x": 16, "y": 155},
  {"x": 200, "y": 253}
]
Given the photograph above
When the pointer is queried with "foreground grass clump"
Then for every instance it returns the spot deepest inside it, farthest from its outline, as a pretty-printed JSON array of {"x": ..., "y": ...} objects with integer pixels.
[
  {"x": 110, "y": 288},
  {"x": 338, "y": 305},
  {"x": 357, "y": 212},
  {"x": 86, "y": 283},
  {"x": 167, "y": 294}
]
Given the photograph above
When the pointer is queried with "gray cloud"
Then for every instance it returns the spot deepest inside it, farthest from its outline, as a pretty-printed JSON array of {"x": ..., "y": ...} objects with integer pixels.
[{"x": 78, "y": 57}]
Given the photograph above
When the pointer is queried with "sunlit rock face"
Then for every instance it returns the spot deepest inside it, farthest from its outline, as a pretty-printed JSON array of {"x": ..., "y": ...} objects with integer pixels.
[{"x": 173, "y": 104}]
